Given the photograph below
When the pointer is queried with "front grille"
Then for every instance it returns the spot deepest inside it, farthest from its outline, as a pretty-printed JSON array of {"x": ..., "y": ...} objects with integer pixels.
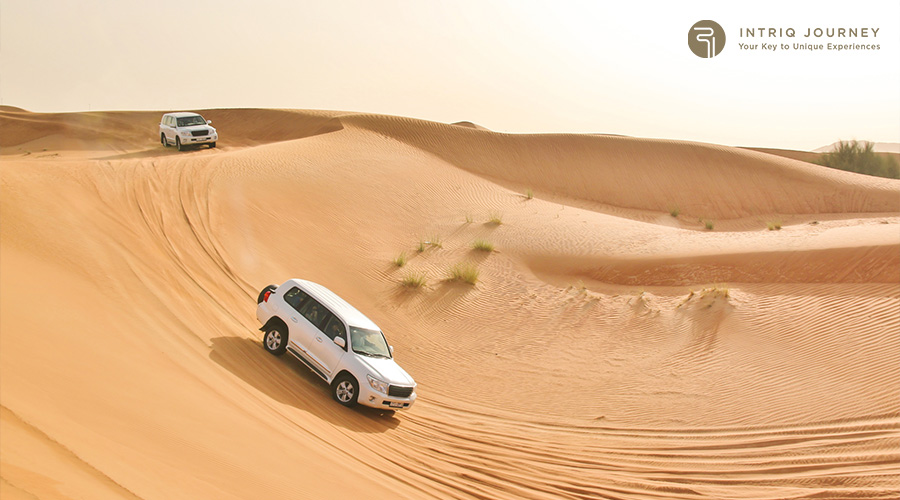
[
  {"x": 198, "y": 133},
  {"x": 399, "y": 391}
]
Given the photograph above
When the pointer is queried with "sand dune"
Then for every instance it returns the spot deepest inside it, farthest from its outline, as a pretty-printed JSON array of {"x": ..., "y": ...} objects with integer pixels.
[{"x": 609, "y": 349}]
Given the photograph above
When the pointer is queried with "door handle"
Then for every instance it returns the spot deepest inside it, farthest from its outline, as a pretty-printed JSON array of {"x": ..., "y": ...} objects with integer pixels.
[
  {"x": 293, "y": 319},
  {"x": 319, "y": 339}
]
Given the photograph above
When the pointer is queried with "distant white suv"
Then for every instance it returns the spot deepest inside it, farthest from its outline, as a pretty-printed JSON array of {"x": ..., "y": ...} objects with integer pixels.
[
  {"x": 336, "y": 342},
  {"x": 185, "y": 129}
]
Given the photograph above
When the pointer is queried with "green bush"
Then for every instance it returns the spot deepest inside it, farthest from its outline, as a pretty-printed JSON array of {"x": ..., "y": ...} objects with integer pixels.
[
  {"x": 483, "y": 245},
  {"x": 414, "y": 280},
  {"x": 464, "y": 272},
  {"x": 860, "y": 157}
]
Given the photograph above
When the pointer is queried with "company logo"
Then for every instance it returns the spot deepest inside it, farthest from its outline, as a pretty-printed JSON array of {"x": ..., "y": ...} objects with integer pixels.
[{"x": 706, "y": 39}]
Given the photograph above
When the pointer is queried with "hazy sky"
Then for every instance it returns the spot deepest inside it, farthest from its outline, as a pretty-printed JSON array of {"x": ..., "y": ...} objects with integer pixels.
[{"x": 511, "y": 66}]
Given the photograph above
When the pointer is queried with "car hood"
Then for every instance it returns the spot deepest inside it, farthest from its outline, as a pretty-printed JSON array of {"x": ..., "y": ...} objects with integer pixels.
[{"x": 387, "y": 370}]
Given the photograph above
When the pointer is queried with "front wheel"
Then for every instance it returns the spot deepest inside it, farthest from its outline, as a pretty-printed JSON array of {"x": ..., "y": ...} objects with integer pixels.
[
  {"x": 275, "y": 340},
  {"x": 212, "y": 145},
  {"x": 345, "y": 390},
  {"x": 178, "y": 144}
]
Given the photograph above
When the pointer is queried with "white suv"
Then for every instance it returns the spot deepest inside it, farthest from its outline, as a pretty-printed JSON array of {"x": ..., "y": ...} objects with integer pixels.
[
  {"x": 335, "y": 341},
  {"x": 184, "y": 129}
]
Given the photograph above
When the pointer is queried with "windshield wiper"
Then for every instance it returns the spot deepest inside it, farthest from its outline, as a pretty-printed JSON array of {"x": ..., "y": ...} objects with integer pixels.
[{"x": 370, "y": 354}]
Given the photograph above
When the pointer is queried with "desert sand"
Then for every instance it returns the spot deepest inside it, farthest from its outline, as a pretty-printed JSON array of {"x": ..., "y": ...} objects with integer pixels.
[{"x": 608, "y": 350}]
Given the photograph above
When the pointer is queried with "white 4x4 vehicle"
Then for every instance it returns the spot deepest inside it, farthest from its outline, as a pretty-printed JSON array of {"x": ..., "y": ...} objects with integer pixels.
[
  {"x": 336, "y": 342},
  {"x": 185, "y": 129}
]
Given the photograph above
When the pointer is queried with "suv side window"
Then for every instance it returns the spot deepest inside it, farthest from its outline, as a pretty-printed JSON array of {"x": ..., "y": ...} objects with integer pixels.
[
  {"x": 296, "y": 298},
  {"x": 334, "y": 328},
  {"x": 314, "y": 312}
]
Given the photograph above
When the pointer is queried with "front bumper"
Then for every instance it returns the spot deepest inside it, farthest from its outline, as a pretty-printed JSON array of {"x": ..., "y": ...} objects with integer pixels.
[
  {"x": 375, "y": 399},
  {"x": 203, "y": 139}
]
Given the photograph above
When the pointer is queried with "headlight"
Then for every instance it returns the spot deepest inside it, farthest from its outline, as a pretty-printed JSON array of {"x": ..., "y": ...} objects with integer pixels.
[
  {"x": 184, "y": 132},
  {"x": 378, "y": 385}
]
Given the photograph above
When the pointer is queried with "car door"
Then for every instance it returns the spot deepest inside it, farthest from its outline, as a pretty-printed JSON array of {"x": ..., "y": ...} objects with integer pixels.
[
  {"x": 162, "y": 127},
  {"x": 168, "y": 128},
  {"x": 324, "y": 349},
  {"x": 299, "y": 331},
  {"x": 304, "y": 330}
]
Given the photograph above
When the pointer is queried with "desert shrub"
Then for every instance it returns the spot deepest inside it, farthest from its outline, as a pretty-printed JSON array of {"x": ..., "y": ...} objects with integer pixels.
[
  {"x": 464, "y": 272},
  {"x": 400, "y": 260},
  {"x": 482, "y": 245},
  {"x": 414, "y": 280},
  {"x": 715, "y": 292},
  {"x": 430, "y": 242},
  {"x": 860, "y": 157}
]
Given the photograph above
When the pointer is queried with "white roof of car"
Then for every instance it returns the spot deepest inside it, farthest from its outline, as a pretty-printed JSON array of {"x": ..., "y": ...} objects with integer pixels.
[
  {"x": 181, "y": 114},
  {"x": 337, "y": 305}
]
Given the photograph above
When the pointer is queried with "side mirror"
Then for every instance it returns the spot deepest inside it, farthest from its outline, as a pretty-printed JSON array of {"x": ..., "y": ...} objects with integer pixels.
[
  {"x": 340, "y": 342},
  {"x": 209, "y": 122},
  {"x": 392, "y": 349}
]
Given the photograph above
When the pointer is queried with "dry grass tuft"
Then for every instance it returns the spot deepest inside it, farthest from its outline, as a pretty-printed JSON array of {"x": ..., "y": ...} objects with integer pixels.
[
  {"x": 482, "y": 245},
  {"x": 414, "y": 280},
  {"x": 465, "y": 272}
]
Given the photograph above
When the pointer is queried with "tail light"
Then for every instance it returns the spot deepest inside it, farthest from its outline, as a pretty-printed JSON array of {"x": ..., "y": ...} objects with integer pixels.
[{"x": 266, "y": 297}]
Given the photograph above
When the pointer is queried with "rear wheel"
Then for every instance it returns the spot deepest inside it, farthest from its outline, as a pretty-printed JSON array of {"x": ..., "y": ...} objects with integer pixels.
[
  {"x": 262, "y": 294},
  {"x": 162, "y": 139},
  {"x": 178, "y": 144},
  {"x": 275, "y": 340},
  {"x": 345, "y": 390}
]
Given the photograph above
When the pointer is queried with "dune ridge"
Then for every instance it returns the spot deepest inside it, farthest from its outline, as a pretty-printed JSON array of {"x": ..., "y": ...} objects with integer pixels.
[
  {"x": 647, "y": 173},
  {"x": 609, "y": 350}
]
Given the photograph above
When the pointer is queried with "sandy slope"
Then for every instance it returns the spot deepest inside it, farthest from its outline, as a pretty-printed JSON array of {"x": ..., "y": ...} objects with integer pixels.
[{"x": 597, "y": 357}]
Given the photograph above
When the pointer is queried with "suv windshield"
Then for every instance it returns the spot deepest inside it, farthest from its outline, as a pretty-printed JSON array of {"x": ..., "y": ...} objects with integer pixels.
[
  {"x": 369, "y": 342},
  {"x": 191, "y": 120}
]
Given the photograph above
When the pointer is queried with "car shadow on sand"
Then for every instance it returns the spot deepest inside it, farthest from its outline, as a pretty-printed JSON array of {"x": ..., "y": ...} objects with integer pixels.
[{"x": 286, "y": 380}]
